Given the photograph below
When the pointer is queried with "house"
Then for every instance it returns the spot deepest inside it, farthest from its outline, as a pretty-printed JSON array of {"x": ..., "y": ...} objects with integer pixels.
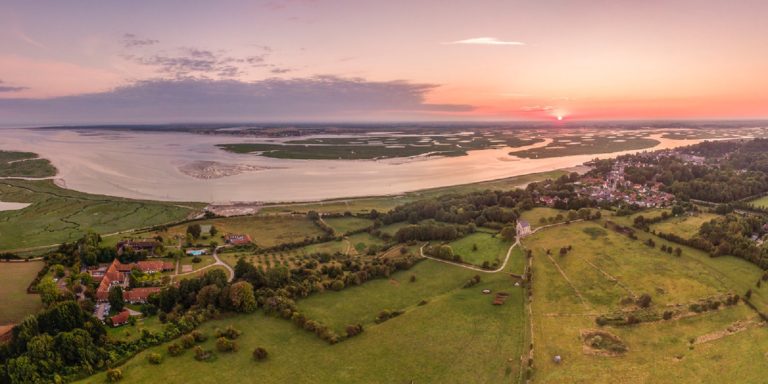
[
  {"x": 117, "y": 275},
  {"x": 155, "y": 266},
  {"x": 139, "y": 295},
  {"x": 121, "y": 318},
  {"x": 237, "y": 239},
  {"x": 523, "y": 228},
  {"x": 136, "y": 246}
]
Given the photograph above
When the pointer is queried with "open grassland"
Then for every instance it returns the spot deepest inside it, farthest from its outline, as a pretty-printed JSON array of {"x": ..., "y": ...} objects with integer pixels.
[
  {"x": 346, "y": 224},
  {"x": 57, "y": 215},
  {"x": 363, "y": 242},
  {"x": 480, "y": 247},
  {"x": 535, "y": 215},
  {"x": 684, "y": 226},
  {"x": 265, "y": 231},
  {"x": 25, "y": 164},
  {"x": 458, "y": 337},
  {"x": 761, "y": 202},
  {"x": 386, "y": 203},
  {"x": 14, "y": 300},
  {"x": 603, "y": 268},
  {"x": 576, "y": 145}
]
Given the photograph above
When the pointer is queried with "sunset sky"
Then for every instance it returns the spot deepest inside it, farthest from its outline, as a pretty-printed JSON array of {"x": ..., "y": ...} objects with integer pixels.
[{"x": 358, "y": 60}]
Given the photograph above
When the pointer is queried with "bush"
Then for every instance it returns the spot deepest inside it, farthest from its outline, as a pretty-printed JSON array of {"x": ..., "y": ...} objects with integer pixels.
[
  {"x": 196, "y": 259},
  {"x": 667, "y": 315},
  {"x": 644, "y": 301},
  {"x": 472, "y": 282},
  {"x": 201, "y": 354},
  {"x": 337, "y": 285},
  {"x": 225, "y": 345},
  {"x": 187, "y": 341},
  {"x": 354, "y": 330},
  {"x": 260, "y": 354},
  {"x": 413, "y": 279},
  {"x": 199, "y": 336},
  {"x": 230, "y": 333},
  {"x": 175, "y": 349},
  {"x": 154, "y": 358},
  {"x": 114, "y": 375}
]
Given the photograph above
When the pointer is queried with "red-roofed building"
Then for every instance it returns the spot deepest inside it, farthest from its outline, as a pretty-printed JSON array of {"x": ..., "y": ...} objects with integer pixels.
[
  {"x": 154, "y": 266},
  {"x": 139, "y": 295},
  {"x": 121, "y": 318},
  {"x": 237, "y": 239}
]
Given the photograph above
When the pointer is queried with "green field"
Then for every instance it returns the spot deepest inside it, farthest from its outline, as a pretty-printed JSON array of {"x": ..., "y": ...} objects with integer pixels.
[
  {"x": 346, "y": 224},
  {"x": 761, "y": 202},
  {"x": 362, "y": 242},
  {"x": 576, "y": 145},
  {"x": 386, "y": 203},
  {"x": 59, "y": 215},
  {"x": 24, "y": 164},
  {"x": 489, "y": 248},
  {"x": 535, "y": 215},
  {"x": 603, "y": 268},
  {"x": 684, "y": 226},
  {"x": 443, "y": 341},
  {"x": 14, "y": 300},
  {"x": 265, "y": 231}
]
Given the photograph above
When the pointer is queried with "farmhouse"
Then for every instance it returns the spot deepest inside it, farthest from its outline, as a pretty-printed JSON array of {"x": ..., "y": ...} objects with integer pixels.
[
  {"x": 121, "y": 318},
  {"x": 237, "y": 239},
  {"x": 117, "y": 275},
  {"x": 523, "y": 228},
  {"x": 136, "y": 245}
]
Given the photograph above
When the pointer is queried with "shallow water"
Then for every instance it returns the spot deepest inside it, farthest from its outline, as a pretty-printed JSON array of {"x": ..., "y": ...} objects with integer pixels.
[
  {"x": 147, "y": 166},
  {"x": 5, "y": 206}
]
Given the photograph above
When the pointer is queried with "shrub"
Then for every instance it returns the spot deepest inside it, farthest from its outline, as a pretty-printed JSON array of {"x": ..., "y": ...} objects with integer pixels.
[
  {"x": 201, "y": 354},
  {"x": 667, "y": 315},
  {"x": 114, "y": 375},
  {"x": 423, "y": 302},
  {"x": 230, "y": 333},
  {"x": 196, "y": 259},
  {"x": 187, "y": 341},
  {"x": 154, "y": 358},
  {"x": 413, "y": 279},
  {"x": 199, "y": 336},
  {"x": 337, "y": 285},
  {"x": 354, "y": 330},
  {"x": 644, "y": 301},
  {"x": 175, "y": 349},
  {"x": 472, "y": 282},
  {"x": 260, "y": 354},
  {"x": 225, "y": 345}
]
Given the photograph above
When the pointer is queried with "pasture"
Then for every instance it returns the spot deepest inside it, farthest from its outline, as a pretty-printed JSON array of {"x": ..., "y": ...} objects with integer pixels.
[
  {"x": 346, "y": 224},
  {"x": 265, "y": 231},
  {"x": 14, "y": 300},
  {"x": 480, "y": 247},
  {"x": 602, "y": 269},
  {"x": 684, "y": 226},
  {"x": 446, "y": 340}
]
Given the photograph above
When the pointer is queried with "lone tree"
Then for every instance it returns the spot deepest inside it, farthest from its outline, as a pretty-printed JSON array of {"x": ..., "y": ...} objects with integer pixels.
[
  {"x": 116, "y": 298},
  {"x": 194, "y": 230},
  {"x": 508, "y": 233},
  {"x": 644, "y": 301},
  {"x": 260, "y": 354}
]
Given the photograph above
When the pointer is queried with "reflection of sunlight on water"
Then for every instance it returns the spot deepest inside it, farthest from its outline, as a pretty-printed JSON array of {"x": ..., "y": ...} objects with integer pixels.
[{"x": 146, "y": 165}]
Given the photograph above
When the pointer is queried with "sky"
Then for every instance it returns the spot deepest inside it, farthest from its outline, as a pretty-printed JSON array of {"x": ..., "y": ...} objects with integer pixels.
[{"x": 138, "y": 61}]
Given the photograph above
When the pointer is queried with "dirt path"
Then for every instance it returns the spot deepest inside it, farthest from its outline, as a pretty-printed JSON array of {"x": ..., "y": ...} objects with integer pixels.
[{"x": 218, "y": 262}]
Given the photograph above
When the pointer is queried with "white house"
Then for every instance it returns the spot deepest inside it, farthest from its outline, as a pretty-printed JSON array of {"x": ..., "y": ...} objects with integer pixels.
[{"x": 523, "y": 228}]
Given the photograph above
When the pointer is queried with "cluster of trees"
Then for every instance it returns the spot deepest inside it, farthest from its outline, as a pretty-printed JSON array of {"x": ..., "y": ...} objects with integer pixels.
[
  {"x": 433, "y": 231},
  {"x": 60, "y": 341},
  {"x": 480, "y": 208}
]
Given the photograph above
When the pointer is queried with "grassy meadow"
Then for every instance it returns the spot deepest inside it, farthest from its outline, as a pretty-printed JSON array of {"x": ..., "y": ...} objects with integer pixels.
[
  {"x": 446, "y": 340},
  {"x": 605, "y": 267},
  {"x": 14, "y": 300},
  {"x": 343, "y": 225},
  {"x": 480, "y": 247},
  {"x": 684, "y": 226}
]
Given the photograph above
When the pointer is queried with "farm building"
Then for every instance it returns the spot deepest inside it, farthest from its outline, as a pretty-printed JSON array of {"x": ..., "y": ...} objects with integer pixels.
[
  {"x": 523, "y": 228},
  {"x": 237, "y": 239}
]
